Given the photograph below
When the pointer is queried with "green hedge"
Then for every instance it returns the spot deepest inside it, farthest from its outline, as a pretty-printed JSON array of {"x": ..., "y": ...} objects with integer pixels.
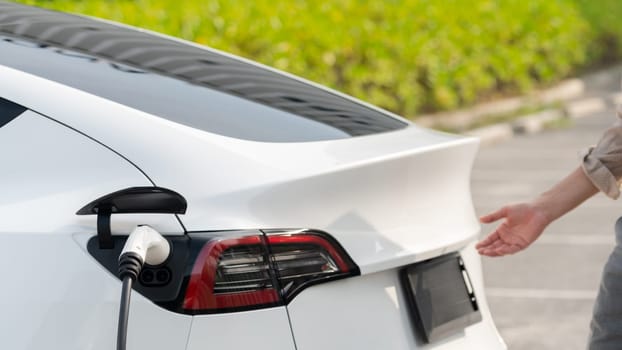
[
  {"x": 605, "y": 31},
  {"x": 409, "y": 56}
]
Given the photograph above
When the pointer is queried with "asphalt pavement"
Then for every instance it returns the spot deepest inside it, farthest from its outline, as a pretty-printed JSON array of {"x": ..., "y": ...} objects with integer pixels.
[{"x": 542, "y": 298}]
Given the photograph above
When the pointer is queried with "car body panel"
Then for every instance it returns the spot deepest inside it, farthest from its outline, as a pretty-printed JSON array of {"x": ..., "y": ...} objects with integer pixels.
[
  {"x": 56, "y": 295},
  {"x": 390, "y": 199},
  {"x": 52, "y": 171},
  {"x": 375, "y": 197},
  {"x": 378, "y": 316},
  {"x": 265, "y": 329}
]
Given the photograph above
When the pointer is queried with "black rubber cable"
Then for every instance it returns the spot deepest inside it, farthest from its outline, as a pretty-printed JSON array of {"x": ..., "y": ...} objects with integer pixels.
[
  {"x": 124, "y": 312},
  {"x": 130, "y": 265}
]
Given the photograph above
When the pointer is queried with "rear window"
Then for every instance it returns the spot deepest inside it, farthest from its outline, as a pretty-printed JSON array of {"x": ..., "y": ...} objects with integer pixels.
[
  {"x": 9, "y": 111},
  {"x": 237, "y": 100}
]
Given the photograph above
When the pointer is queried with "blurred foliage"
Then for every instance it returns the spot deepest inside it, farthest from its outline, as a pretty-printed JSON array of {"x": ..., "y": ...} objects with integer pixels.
[
  {"x": 605, "y": 31},
  {"x": 408, "y": 56}
]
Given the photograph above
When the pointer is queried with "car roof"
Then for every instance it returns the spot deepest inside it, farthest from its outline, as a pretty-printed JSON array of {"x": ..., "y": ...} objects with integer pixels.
[{"x": 198, "y": 66}]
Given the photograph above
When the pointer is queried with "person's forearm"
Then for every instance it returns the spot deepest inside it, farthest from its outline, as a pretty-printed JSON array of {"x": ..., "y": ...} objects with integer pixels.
[{"x": 565, "y": 195}]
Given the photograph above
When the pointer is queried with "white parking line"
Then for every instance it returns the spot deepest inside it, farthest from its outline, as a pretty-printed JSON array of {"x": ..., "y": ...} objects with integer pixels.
[
  {"x": 573, "y": 239},
  {"x": 563, "y": 294}
]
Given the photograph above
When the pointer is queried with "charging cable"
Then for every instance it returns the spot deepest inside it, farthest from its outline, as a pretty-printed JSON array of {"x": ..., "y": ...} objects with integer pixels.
[{"x": 144, "y": 245}]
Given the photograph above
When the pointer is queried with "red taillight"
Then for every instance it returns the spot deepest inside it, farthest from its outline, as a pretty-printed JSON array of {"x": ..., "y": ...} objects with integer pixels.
[
  {"x": 302, "y": 259},
  {"x": 261, "y": 271},
  {"x": 231, "y": 273}
]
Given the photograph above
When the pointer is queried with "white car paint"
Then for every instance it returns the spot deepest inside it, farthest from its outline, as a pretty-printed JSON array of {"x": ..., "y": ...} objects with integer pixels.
[
  {"x": 50, "y": 171},
  {"x": 55, "y": 295},
  {"x": 390, "y": 199},
  {"x": 375, "y": 197},
  {"x": 370, "y": 312}
]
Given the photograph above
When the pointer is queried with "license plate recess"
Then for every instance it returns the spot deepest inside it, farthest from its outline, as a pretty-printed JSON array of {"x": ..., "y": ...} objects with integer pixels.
[{"x": 440, "y": 297}]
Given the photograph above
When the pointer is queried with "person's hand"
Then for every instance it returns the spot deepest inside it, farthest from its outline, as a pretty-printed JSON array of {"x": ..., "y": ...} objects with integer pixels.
[{"x": 522, "y": 225}]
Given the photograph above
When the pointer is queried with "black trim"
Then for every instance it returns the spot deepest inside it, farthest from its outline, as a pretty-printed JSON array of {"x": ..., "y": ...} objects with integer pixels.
[
  {"x": 9, "y": 111},
  {"x": 131, "y": 200},
  {"x": 185, "y": 249},
  {"x": 103, "y": 228},
  {"x": 176, "y": 264},
  {"x": 136, "y": 200}
]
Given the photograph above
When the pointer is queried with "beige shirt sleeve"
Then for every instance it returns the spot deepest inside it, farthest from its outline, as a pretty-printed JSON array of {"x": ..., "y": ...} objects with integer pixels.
[{"x": 603, "y": 163}]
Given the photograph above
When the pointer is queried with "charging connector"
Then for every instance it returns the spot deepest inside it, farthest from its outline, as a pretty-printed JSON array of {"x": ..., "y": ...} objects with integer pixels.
[{"x": 144, "y": 245}]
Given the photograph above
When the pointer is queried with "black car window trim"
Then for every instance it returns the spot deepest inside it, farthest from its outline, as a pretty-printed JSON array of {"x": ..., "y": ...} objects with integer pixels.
[{"x": 9, "y": 111}]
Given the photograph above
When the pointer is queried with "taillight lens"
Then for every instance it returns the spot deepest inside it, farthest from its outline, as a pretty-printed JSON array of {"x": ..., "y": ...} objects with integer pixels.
[
  {"x": 231, "y": 273},
  {"x": 257, "y": 271},
  {"x": 303, "y": 259}
]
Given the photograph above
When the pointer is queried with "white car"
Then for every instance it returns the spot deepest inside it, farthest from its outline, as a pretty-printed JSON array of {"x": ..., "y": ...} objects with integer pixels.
[{"x": 297, "y": 217}]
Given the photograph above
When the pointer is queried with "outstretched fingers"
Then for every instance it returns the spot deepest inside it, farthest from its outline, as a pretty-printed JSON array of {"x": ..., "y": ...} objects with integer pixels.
[
  {"x": 500, "y": 248},
  {"x": 496, "y": 244},
  {"x": 494, "y": 216},
  {"x": 493, "y": 237},
  {"x": 508, "y": 249},
  {"x": 491, "y": 248}
]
